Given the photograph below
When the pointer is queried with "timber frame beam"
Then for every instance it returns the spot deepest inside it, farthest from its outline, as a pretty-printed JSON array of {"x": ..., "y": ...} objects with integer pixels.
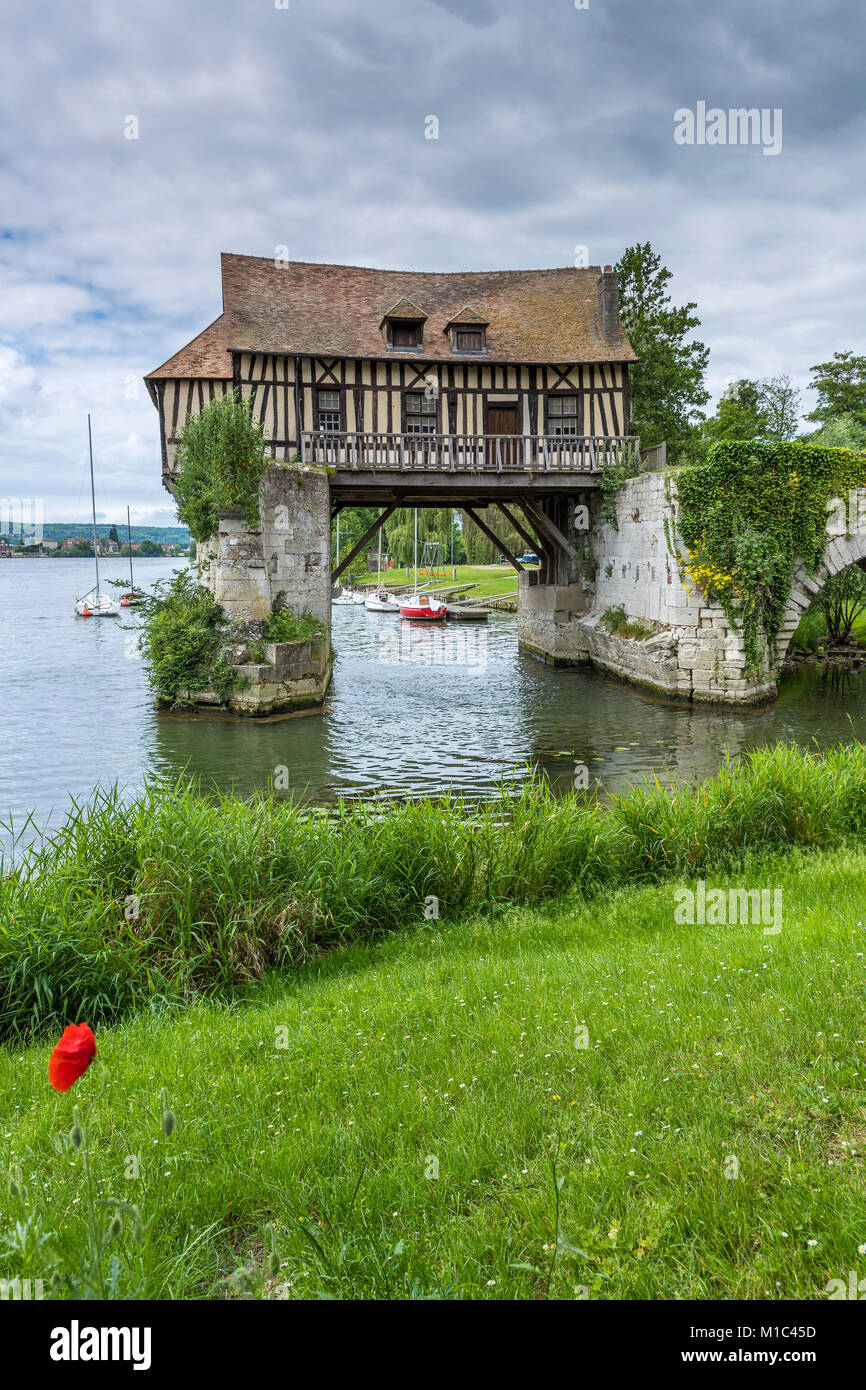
[
  {"x": 367, "y": 536},
  {"x": 500, "y": 545},
  {"x": 541, "y": 545},
  {"x": 549, "y": 528}
]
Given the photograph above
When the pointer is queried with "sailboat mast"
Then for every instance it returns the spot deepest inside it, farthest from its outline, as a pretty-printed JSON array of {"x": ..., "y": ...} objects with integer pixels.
[
  {"x": 93, "y": 505},
  {"x": 129, "y": 548},
  {"x": 379, "y": 561},
  {"x": 416, "y": 549}
]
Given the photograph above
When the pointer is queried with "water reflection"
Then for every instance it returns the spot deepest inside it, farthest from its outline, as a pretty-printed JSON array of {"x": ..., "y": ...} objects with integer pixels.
[{"x": 413, "y": 709}]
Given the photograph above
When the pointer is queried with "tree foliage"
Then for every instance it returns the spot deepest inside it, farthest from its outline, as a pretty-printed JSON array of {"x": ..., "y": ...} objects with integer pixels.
[
  {"x": 841, "y": 388},
  {"x": 746, "y": 514},
  {"x": 842, "y": 600},
  {"x": 768, "y": 409},
  {"x": 222, "y": 457},
  {"x": 183, "y": 635},
  {"x": 667, "y": 382}
]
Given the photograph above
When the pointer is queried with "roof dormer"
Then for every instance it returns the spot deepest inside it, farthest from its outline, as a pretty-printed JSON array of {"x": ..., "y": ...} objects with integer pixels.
[
  {"x": 468, "y": 331},
  {"x": 403, "y": 326}
]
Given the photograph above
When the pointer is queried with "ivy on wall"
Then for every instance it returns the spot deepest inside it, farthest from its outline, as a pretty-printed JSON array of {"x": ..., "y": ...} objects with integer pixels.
[
  {"x": 746, "y": 514},
  {"x": 615, "y": 472}
]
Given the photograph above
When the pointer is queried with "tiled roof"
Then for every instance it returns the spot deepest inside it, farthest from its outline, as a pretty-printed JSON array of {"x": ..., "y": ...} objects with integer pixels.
[
  {"x": 467, "y": 314},
  {"x": 206, "y": 356},
  {"x": 336, "y": 310},
  {"x": 404, "y": 309}
]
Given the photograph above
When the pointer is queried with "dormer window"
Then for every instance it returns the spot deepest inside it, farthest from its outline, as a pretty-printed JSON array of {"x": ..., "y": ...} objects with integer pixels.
[
  {"x": 468, "y": 331},
  {"x": 403, "y": 326},
  {"x": 405, "y": 334}
]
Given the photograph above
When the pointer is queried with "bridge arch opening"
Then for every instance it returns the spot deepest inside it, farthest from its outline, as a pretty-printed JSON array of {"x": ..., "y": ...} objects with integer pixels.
[{"x": 842, "y": 553}]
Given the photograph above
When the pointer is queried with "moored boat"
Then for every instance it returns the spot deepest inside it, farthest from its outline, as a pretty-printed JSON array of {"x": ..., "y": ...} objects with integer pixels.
[
  {"x": 382, "y": 602},
  {"x": 95, "y": 604},
  {"x": 423, "y": 608}
]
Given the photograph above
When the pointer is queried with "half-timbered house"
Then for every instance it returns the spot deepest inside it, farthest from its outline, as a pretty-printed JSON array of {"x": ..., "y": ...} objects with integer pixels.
[{"x": 507, "y": 369}]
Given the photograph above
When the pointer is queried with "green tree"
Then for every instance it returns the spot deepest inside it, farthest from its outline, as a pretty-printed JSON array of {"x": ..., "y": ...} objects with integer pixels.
[
  {"x": 841, "y": 433},
  {"x": 739, "y": 413},
  {"x": 780, "y": 404},
  {"x": 842, "y": 601},
  {"x": 222, "y": 456},
  {"x": 841, "y": 387},
  {"x": 148, "y": 548},
  {"x": 112, "y": 535},
  {"x": 667, "y": 381}
]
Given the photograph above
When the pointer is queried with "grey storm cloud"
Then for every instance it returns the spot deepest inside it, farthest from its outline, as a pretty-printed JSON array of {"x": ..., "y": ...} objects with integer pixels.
[{"x": 306, "y": 127}]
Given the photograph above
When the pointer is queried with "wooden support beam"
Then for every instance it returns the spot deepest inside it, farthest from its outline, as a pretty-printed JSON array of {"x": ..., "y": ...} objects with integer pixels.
[
  {"x": 549, "y": 528},
  {"x": 530, "y": 540},
  {"x": 500, "y": 545},
  {"x": 365, "y": 539}
]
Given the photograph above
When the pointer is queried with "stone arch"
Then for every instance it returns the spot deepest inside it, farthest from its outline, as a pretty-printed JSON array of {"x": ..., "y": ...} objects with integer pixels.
[{"x": 844, "y": 548}]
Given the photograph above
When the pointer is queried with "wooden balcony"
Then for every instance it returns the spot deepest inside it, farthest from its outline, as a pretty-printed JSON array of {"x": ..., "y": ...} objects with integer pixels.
[{"x": 469, "y": 453}]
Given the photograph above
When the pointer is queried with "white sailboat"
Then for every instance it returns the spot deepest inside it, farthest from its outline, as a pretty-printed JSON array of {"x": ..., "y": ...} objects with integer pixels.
[
  {"x": 95, "y": 604},
  {"x": 381, "y": 601}
]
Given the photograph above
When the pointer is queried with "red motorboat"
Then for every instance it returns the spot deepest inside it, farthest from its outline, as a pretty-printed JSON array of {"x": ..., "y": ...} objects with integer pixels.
[{"x": 423, "y": 608}]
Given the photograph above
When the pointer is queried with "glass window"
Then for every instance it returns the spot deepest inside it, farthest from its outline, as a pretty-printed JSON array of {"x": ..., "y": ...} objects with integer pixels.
[
  {"x": 419, "y": 412},
  {"x": 562, "y": 414},
  {"x": 329, "y": 410}
]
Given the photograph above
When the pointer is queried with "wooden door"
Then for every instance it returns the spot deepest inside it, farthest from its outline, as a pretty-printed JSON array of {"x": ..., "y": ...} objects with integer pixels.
[{"x": 502, "y": 419}]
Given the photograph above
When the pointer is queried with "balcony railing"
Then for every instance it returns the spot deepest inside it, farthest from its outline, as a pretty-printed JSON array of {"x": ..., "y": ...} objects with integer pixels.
[{"x": 469, "y": 453}]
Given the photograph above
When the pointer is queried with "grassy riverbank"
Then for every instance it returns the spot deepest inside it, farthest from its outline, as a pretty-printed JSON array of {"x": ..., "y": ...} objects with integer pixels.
[
  {"x": 175, "y": 895},
  {"x": 314, "y": 1114},
  {"x": 489, "y": 580}
]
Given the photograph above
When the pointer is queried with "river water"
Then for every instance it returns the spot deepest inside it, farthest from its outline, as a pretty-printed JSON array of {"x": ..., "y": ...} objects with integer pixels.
[{"x": 412, "y": 709}]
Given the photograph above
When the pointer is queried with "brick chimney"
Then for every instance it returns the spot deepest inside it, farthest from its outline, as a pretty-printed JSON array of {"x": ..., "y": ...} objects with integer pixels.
[{"x": 608, "y": 303}]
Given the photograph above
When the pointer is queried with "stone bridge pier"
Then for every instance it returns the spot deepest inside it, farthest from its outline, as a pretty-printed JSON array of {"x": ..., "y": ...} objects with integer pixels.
[
  {"x": 680, "y": 644},
  {"x": 283, "y": 563}
]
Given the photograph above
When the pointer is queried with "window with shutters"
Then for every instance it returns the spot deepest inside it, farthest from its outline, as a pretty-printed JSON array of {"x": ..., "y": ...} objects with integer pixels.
[
  {"x": 468, "y": 339},
  {"x": 404, "y": 335}
]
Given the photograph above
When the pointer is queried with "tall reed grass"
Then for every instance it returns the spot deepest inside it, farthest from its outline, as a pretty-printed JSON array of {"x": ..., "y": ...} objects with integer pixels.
[{"x": 177, "y": 894}]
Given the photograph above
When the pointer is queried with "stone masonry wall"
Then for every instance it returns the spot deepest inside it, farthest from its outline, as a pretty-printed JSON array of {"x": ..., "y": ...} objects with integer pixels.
[
  {"x": 289, "y": 552},
  {"x": 283, "y": 562},
  {"x": 693, "y": 653}
]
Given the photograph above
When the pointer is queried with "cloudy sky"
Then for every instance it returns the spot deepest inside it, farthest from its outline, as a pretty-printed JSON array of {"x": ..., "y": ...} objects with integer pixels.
[{"x": 305, "y": 126}]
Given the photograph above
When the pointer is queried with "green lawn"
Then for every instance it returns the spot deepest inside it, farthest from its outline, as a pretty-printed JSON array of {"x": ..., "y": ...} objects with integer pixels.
[
  {"x": 489, "y": 579},
  {"x": 453, "y": 1048}
]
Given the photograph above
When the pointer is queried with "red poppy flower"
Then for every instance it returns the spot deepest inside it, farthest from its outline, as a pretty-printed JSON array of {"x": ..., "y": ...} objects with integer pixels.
[{"x": 72, "y": 1056}]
